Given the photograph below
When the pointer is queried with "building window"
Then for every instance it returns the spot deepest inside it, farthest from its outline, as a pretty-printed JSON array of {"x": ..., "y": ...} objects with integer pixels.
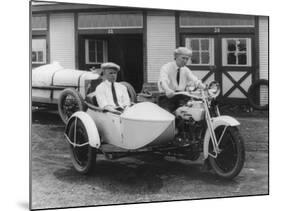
[
  {"x": 202, "y": 51},
  {"x": 39, "y": 51},
  {"x": 95, "y": 51},
  {"x": 236, "y": 52},
  {"x": 39, "y": 22}
]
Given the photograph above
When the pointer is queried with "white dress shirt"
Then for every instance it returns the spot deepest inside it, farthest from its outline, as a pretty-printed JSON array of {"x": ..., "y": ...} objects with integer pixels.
[
  {"x": 104, "y": 95},
  {"x": 168, "y": 78}
]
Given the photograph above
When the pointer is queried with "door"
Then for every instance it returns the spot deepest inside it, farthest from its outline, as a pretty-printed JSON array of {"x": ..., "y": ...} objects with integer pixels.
[
  {"x": 126, "y": 50},
  {"x": 227, "y": 59},
  {"x": 236, "y": 70}
]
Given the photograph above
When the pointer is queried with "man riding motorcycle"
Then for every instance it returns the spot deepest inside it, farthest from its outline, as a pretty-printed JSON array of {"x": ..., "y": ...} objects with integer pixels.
[{"x": 175, "y": 76}]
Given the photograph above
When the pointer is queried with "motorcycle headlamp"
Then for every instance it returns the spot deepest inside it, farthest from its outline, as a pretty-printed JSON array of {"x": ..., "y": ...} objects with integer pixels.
[{"x": 214, "y": 89}]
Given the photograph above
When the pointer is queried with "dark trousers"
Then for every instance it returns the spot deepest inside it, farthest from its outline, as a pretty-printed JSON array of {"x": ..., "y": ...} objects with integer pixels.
[{"x": 171, "y": 104}]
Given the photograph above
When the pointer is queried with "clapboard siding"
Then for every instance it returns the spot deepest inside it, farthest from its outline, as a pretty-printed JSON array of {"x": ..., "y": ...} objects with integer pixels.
[
  {"x": 62, "y": 39},
  {"x": 263, "y": 56},
  {"x": 195, "y": 19},
  {"x": 161, "y": 41},
  {"x": 263, "y": 45},
  {"x": 101, "y": 21}
]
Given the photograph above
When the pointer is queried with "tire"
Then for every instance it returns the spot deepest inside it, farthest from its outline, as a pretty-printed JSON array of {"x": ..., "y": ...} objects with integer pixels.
[
  {"x": 131, "y": 91},
  {"x": 69, "y": 102},
  {"x": 252, "y": 94},
  {"x": 230, "y": 160},
  {"x": 83, "y": 158}
]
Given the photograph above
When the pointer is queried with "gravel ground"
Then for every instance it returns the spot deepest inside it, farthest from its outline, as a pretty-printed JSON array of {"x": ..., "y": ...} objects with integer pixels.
[{"x": 137, "y": 179}]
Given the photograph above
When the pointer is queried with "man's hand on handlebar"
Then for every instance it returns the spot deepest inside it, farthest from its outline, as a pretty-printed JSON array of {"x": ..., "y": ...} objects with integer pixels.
[
  {"x": 202, "y": 86},
  {"x": 194, "y": 87},
  {"x": 170, "y": 93}
]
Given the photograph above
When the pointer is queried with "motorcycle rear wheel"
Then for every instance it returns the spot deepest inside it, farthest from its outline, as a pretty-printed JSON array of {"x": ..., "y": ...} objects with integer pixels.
[{"x": 230, "y": 160}]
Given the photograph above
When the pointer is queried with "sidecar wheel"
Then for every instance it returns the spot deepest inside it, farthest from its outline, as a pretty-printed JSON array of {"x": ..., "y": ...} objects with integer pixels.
[
  {"x": 83, "y": 157},
  {"x": 230, "y": 160}
]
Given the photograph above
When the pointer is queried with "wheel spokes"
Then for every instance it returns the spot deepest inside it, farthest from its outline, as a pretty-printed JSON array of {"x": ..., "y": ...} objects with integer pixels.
[
  {"x": 80, "y": 146},
  {"x": 227, "y": 157},
  {"x": 221, "y": 136},
  {"x": 70, "y": 105}
]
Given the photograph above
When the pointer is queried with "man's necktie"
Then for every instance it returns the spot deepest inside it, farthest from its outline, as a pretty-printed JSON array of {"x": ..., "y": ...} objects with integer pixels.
[
  {"x": 114, "y": 94},
  {"x": 178, "y": 76}
]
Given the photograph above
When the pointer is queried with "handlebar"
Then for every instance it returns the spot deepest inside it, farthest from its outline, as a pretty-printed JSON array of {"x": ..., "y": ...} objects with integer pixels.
[{"x": 186, "y": 93}]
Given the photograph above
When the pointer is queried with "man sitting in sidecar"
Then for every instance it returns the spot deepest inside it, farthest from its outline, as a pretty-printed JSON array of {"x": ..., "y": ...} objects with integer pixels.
[{"x": 111, "y": 95}]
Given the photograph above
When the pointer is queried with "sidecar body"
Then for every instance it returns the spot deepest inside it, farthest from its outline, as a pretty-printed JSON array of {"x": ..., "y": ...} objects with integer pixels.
[{"x": 140, "y": 125}]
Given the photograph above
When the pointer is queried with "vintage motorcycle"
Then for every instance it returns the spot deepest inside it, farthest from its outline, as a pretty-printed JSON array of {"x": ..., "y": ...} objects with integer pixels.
[
  {"x": 195, "y": 127},
  {"x": 200, "y": 125}
]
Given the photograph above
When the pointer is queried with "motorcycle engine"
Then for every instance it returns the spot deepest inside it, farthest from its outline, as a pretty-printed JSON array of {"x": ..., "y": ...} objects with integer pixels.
[
  {"x": 193, "y": 110},
  {"x": 189, "y": 123}
]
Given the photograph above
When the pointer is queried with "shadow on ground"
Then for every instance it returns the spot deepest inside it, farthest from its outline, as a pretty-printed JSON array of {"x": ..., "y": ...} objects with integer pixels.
[
  {"x": 139, "y": 176},
  {"x": 45, "y": 116}
]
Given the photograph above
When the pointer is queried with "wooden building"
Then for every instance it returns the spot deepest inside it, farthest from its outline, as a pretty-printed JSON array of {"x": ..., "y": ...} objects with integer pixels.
[{"x": 232, "y": 49}]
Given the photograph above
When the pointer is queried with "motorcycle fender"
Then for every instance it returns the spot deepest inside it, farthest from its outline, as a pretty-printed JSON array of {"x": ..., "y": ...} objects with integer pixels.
[
  {"x": 90, "y": 126},
  {"x": 217, "y": 121}
]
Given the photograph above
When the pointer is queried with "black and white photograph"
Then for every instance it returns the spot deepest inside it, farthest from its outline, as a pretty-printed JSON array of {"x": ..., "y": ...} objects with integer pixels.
[{"x": 135, "y": 105}]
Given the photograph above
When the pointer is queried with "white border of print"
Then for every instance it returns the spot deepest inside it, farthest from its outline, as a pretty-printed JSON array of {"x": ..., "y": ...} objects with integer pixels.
[{"x": 15, "y": 103}]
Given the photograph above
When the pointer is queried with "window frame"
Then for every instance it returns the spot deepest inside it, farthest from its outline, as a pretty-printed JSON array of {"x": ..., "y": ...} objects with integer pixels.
[
  {"x": 248, "y": 51},
  {"x": 44, "y": 51},
  {"x": 211, "y": 50},
  {"x": 105, "y": 52}
]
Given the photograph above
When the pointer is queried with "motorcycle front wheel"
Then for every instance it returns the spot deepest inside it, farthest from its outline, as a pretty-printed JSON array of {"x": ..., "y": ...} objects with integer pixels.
[{"x": 229, "y": 162}]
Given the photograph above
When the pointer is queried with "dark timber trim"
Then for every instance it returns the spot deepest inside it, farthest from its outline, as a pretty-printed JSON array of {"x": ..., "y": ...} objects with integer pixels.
[
  {"x": 177, "y": 25},
  {"x": 214, "y": 30},
  {"x": 39, "y": 32},
  {"x": 145, "y": 75},
  {"x": 208, "y": 75},
  {"x": 68, "y": 8},
  {"x": 76, "y": 40},
  {"x": 48, "y": 50},
  {"x": 114, "y": 31},
  {"x": 236, "y": 84},
  {"x": 256, "y": 51}
]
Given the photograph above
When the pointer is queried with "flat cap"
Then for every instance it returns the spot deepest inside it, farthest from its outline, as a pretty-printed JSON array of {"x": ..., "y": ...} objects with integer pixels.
[
  {"x": 183, "y": 51},
  {"x": 110, "y": 65}
]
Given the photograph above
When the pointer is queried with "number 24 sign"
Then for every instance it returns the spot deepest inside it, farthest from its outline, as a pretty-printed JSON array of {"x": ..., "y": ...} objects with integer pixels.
[{"x": 110, "y": 31}]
